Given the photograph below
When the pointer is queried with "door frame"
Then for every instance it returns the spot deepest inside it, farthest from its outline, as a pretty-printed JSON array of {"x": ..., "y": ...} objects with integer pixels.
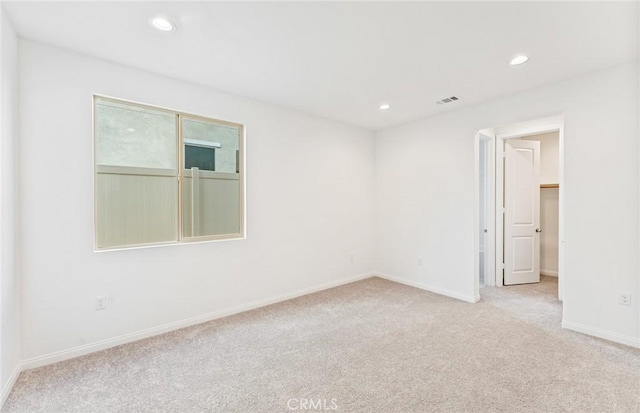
[{"x": 498, "y": 135}]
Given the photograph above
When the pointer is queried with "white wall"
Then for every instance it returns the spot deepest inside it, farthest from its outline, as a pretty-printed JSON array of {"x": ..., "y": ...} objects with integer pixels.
[
  {"x": 549, "y": 223},
  {"x": 549, "y": 200},
  {"x": 9, "y": 281},
  {"x": 425, "y": 196},
  {"x": 309, "y": 197},
  {"x": 549, "y": 156}
]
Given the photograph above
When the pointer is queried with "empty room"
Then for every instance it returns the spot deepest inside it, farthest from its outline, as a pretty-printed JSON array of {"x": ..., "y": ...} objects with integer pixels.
[{"x": 319, "y": 206}]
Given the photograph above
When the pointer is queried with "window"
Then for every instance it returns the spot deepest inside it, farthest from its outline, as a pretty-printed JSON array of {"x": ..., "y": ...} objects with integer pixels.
[
  {"x": 201, "y": 157},
  {"x": 163, "y": 176}
]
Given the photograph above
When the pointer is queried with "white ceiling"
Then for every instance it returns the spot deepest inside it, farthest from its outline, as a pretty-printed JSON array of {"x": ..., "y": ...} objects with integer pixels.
[{"x": 342, "y": 60}]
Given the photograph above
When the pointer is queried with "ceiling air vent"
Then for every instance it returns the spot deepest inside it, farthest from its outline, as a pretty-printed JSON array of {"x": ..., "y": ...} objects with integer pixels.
[{"x": 447, "y": 100}]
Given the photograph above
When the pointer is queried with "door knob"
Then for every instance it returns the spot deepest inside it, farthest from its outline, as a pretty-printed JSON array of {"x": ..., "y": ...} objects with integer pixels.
[{"x": 538, "y": 230}]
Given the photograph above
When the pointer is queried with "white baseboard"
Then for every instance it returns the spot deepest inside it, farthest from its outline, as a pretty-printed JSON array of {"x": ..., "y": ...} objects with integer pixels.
[
  {"x": 431, "y": 288},
  {"x": 176, "y": 325},
  {"x": 600, "y": 333},
  {"x": 550, "y": 273},
  {"x": 10, "y": 383}
]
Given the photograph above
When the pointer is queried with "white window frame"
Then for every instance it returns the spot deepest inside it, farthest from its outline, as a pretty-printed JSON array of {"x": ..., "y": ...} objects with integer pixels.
[{"x": 181, "y": 174}]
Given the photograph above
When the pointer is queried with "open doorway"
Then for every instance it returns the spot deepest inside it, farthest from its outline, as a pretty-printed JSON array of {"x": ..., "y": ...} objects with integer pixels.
[{"x": 504, "y": 255}]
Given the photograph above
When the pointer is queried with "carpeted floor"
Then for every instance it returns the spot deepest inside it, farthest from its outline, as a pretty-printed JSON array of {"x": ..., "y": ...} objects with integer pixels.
[{"x": 370, "y": 346}]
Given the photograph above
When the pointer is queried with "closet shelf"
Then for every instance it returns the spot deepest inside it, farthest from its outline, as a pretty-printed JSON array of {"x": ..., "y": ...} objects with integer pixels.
[{"x": 549, "y": 185}]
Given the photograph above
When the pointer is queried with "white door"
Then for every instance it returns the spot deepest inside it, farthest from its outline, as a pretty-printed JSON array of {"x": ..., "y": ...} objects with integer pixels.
[{"x": 522, "y": 212}]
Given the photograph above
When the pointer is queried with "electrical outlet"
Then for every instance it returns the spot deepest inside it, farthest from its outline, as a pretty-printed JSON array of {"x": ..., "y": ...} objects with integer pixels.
[
  {"x": 352, "y": 257},
  {"x": 101, "y": 302},
  {"x": 419, "y": 261},
  {"x": 625, "y": 298}
]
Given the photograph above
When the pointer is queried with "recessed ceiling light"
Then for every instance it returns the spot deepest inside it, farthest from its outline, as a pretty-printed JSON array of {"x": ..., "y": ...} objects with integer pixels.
[
  {"x": 518, "y": 60},
  {"x": 130, "y": 130},
  {"x": 162, "y": 24},
  {"x": 385, "y": 106}
]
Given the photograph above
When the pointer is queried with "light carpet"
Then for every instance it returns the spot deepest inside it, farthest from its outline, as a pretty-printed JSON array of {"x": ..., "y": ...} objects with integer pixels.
[{"x": 370, "y": 346}]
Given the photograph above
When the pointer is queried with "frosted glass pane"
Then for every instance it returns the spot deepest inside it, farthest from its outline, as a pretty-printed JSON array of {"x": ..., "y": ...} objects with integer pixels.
[
  {"x": 222, "y": 137},
  {"x": 129, "y": 135}
]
